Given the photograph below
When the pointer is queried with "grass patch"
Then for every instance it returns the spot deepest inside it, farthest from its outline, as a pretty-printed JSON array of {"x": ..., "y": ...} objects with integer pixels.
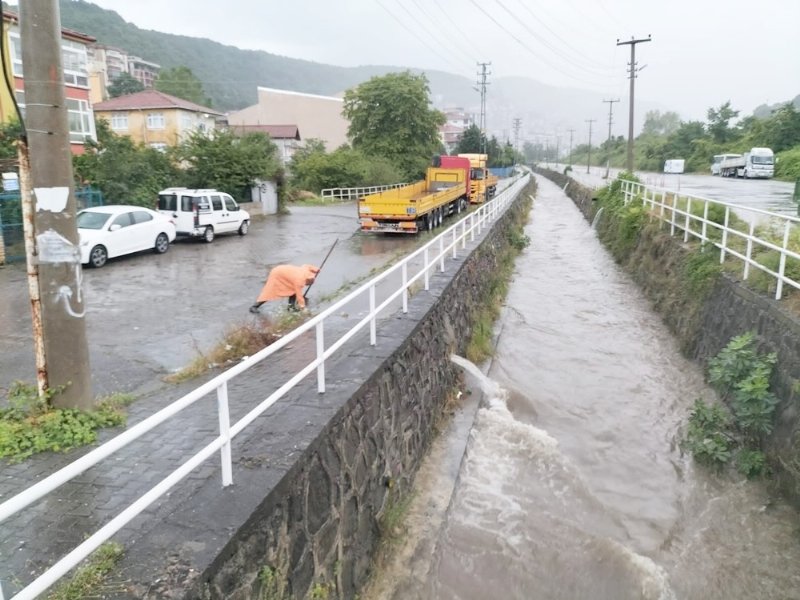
[
  {"x": 30, "y": 425},
  {"x": 238, "y": 342},
  {"x": 90, "y": 577}
]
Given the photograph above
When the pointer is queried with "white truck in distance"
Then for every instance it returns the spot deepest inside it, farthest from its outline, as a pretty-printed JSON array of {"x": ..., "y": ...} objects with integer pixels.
[{"x": 758, "y": 162}]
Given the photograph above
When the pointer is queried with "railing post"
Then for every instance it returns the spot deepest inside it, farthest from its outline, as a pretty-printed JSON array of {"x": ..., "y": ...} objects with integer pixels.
[
  {"x": 463, "y": 243},
  {"x": 674, "y": 208},
  {"x": 688, "y": 224},
  {"x": 427, "y": 271},
  {"x": 782, "y": 268},
  {"x": 749, "y": 251},
  {"x": 225, "y": 433},
  {"x": 373, "y": 335},
  {"x": 472, "y": 227},
  {"x": 320, "y": 356},
  {"x": 724, "y": 236},
  {"x": 704, "y": 229},
  {"x": 441, "y": 253},
  {"x": 405, "y": 287},
  {"x": 455, "y": 242},
  {"x": 661, "y": 205}
]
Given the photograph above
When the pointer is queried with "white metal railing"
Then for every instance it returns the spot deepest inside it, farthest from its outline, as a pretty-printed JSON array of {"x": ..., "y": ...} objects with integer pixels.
[
  {"x": 355, "y": 193},
  {"x": 426, "y": 258},
  {"x": 689, "y": 214}
]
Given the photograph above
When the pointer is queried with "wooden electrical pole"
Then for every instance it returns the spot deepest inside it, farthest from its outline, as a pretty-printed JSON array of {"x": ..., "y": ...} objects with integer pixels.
[
  {"x": 632, "y": 70},
  {"x": 51, "y": 200}
]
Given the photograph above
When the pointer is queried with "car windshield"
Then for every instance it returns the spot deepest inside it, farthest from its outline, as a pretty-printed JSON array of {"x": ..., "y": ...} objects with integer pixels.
[{"x": 92, "y": 220}]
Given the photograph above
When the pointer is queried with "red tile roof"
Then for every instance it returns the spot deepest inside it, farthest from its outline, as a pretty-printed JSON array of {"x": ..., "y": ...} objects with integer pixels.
[
  {"x": 150, "y": 99},
  {"x": 276, "y": 132}
]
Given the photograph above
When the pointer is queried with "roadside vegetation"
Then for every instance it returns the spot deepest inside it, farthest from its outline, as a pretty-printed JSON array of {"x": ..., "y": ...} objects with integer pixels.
[
  {"x": 90, "y": 579},
  {"x": 30, "y": 424},
  {"x": 733, "y": 429},
  {"x": 665, "y": 136}
]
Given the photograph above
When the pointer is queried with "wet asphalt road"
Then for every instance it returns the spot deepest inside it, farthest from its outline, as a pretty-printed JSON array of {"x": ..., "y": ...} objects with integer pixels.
[{"x": 148, "y": 315}]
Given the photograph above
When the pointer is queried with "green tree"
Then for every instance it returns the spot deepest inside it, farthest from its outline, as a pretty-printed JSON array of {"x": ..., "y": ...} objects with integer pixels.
[
  {"x": 391, "y": 117},
  {"x": 718, "y": 123},
  {"x": 228, "y": 162},
  {"x": 182, "y": 83},
  {"x": 658, "y": 123},
  {"x": 126, "y": 172},
  {"x": 10, "y": 133},
  {"x": 124, "y": 84},
  {"x": 471, "y": 141}
]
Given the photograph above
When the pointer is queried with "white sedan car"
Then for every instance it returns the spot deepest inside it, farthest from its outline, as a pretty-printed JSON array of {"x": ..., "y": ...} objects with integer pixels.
[{"x": 109, "y": 231}]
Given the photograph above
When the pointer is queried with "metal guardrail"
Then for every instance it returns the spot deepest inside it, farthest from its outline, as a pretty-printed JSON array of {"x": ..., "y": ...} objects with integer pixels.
[
  {"x": 357, "y": 192},
  {"x": 690, "y": 214},
  {"x": 425, "y": 259}
]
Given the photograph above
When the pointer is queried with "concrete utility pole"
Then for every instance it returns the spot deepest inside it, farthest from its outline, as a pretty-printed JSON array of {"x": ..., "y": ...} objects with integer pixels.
[
  {"x": 632, "y": 70},
  {"x": 608, "y": 143},
  {"x": 589, "y": 160},
  {"x": 54, "y": 234},
  {"x": 571, "y": 131}
]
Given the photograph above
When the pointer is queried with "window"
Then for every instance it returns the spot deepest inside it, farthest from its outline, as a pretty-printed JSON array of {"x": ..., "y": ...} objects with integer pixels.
[
  {"x": 119, "y": 121},
  {"x": 216, "y": 202},
  {"x": 20, "y": 96},
  {"x": 73, "y": 56},
  {"x": 160, "y": 146},
  {"x": 16, "y": 53},
  {"x": 186, "y": 120},
  {"x": 168, "y": 202},
  {"x": 230, "y": 203},
  {"x": 122, "y": 220},
  {"x": 141, "y": 216},
  {"x": 155, "y": 120},
  {"x": 81, "y": 121},
  {"x": 187, "y": 204}
]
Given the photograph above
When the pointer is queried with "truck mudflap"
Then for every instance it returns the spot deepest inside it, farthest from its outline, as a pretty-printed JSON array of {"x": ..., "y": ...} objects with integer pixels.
[{"x": 373, "y": 226}]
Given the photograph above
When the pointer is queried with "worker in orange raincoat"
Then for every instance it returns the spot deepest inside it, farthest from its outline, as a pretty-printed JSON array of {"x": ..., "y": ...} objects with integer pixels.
[{"x": 287, "y": 281}]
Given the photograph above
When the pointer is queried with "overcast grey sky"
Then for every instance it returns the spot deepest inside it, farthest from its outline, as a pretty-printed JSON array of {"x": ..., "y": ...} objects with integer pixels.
[{"x": 702, "y": 53}]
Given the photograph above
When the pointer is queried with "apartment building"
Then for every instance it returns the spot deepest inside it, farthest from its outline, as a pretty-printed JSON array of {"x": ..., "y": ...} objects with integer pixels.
[
  {"x": 74, "y": 54},
  {"x": 106, "y": 63}
]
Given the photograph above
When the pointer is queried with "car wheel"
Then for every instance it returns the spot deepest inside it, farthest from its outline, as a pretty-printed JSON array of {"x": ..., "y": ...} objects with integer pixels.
[
  {"x": 244, "y": 227},
  {"x": 208, "y": 235},
  {"x": 162, "y": 243},
  {"x": 98, "y": 256}
]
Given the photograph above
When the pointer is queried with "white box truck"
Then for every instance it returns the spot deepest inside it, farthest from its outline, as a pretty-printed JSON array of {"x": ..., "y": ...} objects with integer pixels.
[
  {"x": 674, "y": 165},
  {"x": 717, "y": 160},
  {"x": 757, "y": 163}
]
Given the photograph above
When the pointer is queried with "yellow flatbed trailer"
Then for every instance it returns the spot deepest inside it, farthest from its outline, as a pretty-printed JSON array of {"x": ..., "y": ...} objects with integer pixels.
[{"x": 415, "y": 207}]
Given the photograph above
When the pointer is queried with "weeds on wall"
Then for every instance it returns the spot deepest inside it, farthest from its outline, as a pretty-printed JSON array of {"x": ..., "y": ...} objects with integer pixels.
[
  {"x": 480, "y": 346},
  {"x": 90, "y": 579},
  {"x": 30, "y": 425},
  {"x": 717, "y": 434}
]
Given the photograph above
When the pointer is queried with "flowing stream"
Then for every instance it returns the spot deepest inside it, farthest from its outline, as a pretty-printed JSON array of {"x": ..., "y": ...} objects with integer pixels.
[{"x": 572, "y": 484}]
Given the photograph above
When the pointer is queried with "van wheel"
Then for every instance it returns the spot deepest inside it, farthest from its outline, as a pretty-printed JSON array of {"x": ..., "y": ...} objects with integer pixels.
[
  {"x": 208, "y": 235},
  {"x": 244, "y": 227},
  {"x": 98, "y": 256},
  {"x": 162, "y": 243}
]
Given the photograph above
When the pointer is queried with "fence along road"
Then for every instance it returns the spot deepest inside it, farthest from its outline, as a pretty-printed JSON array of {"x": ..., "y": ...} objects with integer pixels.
[{"x": 413, "y": 270}]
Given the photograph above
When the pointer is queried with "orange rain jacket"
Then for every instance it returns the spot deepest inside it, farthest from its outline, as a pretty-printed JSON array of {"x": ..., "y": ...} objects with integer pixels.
[{"x": 287, "y": 280}]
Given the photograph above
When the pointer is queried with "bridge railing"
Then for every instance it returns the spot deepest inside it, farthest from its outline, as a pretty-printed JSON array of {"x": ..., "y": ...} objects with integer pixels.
[
  {"x": 416, "y": 267},
  {"x": 759, "y": 239},
  {"x": 355, "y": 193}
]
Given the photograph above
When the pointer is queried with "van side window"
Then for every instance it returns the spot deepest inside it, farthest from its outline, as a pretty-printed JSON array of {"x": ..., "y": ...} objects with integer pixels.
[
  {"x": 167, "y": 202},
  {"x": 202, "y": 203},
  {"x": 230, "y": 203},
  {"x": 186, "y": 204},
  {"x": 216, "y": 202}
]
